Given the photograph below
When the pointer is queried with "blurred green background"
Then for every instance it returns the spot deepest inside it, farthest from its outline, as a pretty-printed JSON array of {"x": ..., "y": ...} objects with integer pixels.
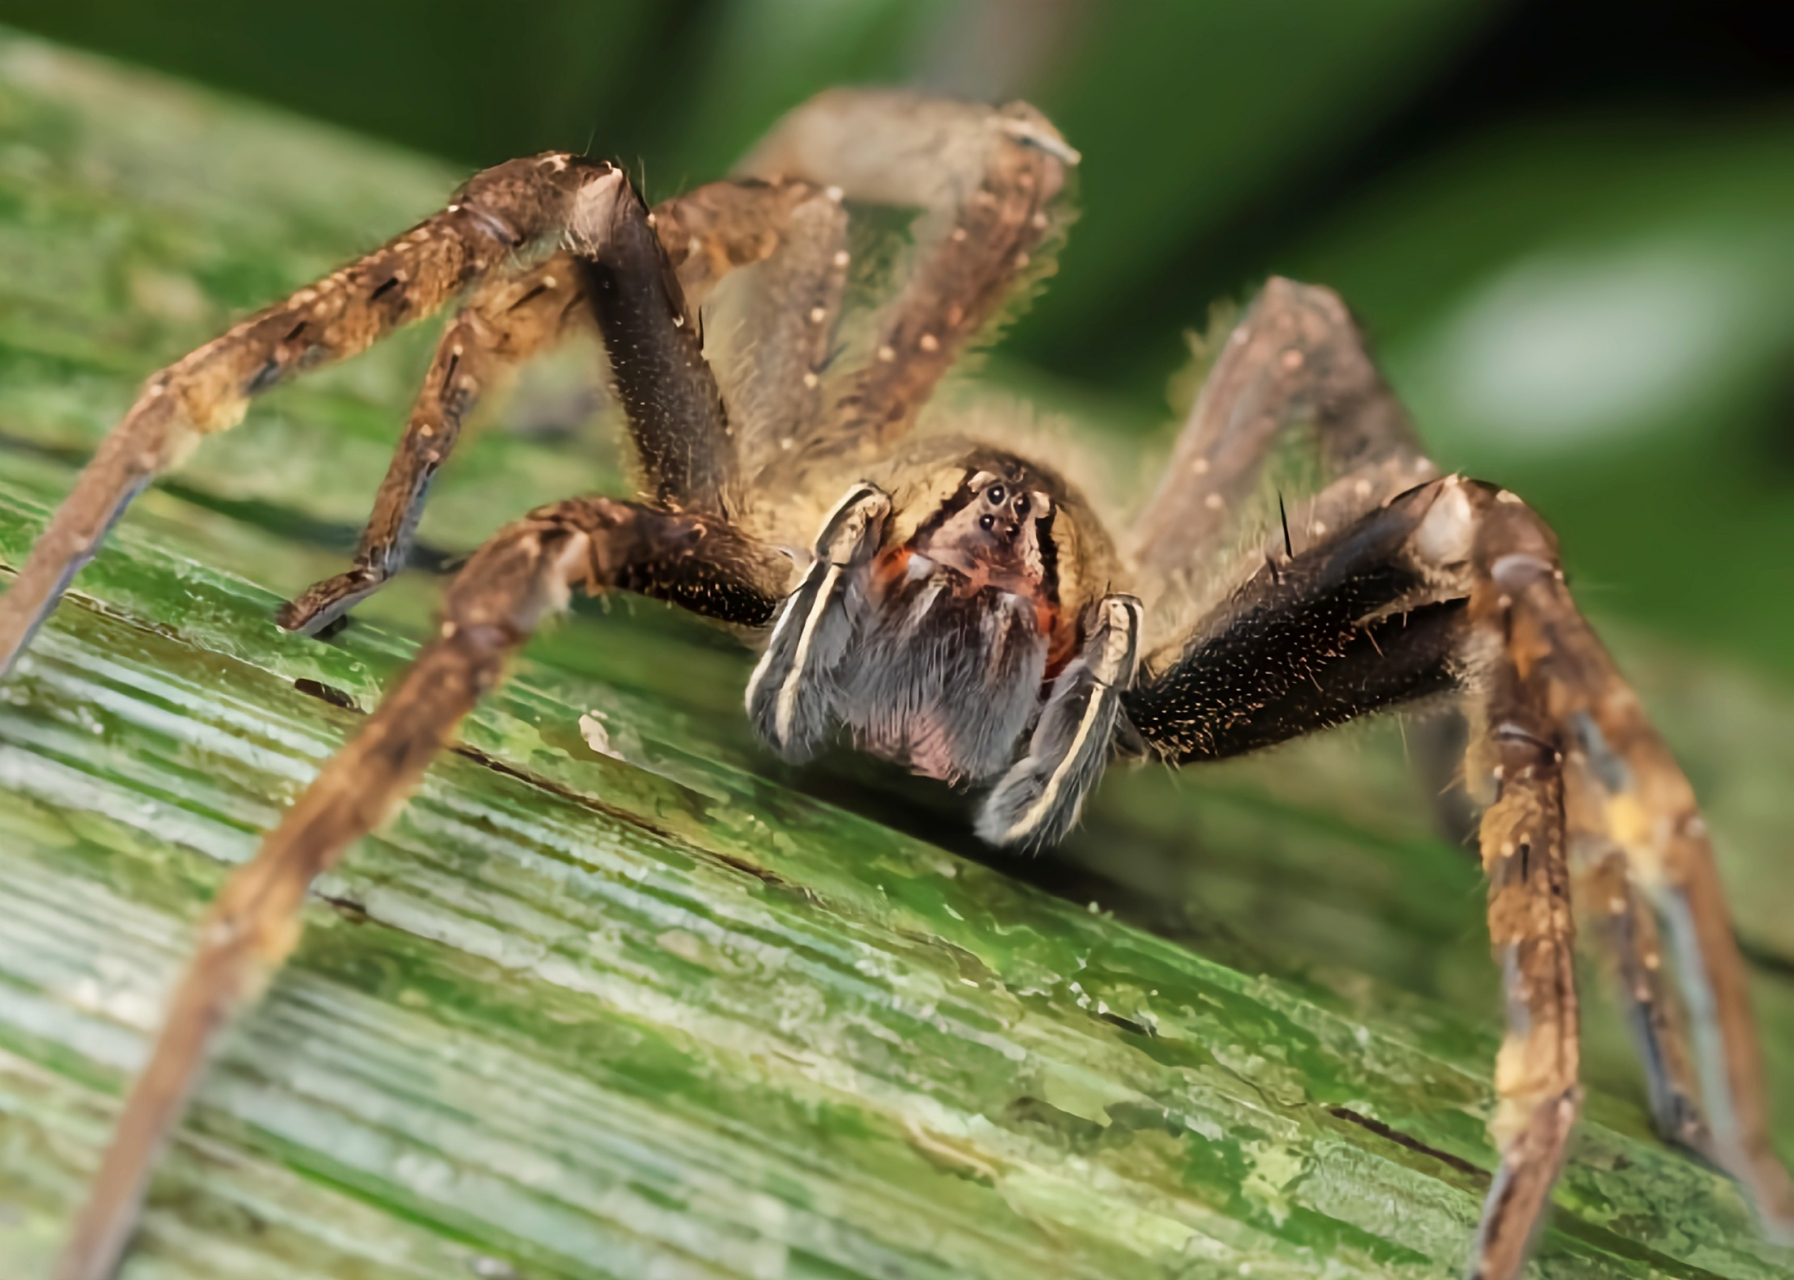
[{"x": 1565, "y": 225}]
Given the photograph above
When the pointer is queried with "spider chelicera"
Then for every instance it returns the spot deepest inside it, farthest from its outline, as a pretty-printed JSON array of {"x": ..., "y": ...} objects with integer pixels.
[{"x": 962, "y": 609}]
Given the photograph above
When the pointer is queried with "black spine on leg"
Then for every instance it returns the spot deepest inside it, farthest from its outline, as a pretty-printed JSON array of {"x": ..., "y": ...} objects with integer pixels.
[
  {"x": 675, "y": 411},
  {"x": 1315, "y": 642}
]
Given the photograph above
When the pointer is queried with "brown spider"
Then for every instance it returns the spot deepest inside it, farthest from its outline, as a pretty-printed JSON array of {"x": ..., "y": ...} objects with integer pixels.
[{"x": 963, "y": 609}]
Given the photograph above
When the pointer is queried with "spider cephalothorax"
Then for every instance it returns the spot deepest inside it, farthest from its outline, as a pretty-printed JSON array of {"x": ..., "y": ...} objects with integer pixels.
[{"x": 961, "y": 608}]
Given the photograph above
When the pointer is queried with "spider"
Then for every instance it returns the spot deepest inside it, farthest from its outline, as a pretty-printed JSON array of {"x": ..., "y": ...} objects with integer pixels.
[{"x": 955, "y": 605}]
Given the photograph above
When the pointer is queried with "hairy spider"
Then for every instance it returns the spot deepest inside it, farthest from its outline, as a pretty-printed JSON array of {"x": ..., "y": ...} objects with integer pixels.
[{"x": 962, "y": 608}]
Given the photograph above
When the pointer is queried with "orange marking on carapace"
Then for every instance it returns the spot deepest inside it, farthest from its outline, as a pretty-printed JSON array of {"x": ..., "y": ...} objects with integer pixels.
[
  {"x": 891, "y": 566},
  {"x": 1062, "y": 643},
  {"x": 1062, "y": 640}
]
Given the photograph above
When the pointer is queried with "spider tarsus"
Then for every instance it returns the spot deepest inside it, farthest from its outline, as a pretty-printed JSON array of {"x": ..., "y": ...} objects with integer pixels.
[{"x": 322, "y": 610}]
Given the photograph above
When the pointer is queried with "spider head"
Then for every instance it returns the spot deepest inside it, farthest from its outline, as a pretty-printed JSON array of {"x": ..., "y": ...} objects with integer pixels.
[
  {"x": 995, "y": 531},
  {"x": 933, "y": 620},
  {"x": 953, "y": 619}
]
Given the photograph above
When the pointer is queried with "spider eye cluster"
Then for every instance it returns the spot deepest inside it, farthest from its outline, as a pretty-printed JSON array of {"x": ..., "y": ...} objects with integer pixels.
[{"x": 999, "y": 497}]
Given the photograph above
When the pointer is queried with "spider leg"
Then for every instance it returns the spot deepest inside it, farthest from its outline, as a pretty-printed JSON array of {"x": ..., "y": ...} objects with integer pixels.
[
  {"x": 683, "y": 550},
  {"x": 1377, "y": 614},
  {"x": 784, "y": 335},
  {"x": 505, "y": 322},
  {"x": 1525, "y": 629},
  {"x": 987, "y": 179},
  {"x": 520, "y": 576},
  {"x": 1295, "y": 358},
  {"x": 1348, "y": 626},
  {"x": 1621, "y": 921},
  {"x": 681, "y": 431},
  {"x": 1626, "y": 794},
  {"x": 1533, "y": 938},
  {"x": 1455, "y": 584},
  {"x": 721, "y": 226},
  {"x": 500, "y": 211},
  {"x": 1296, "y": 355}
]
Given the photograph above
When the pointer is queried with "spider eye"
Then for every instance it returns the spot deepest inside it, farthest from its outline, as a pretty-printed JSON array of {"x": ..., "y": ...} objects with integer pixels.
[
  {"x": 995, "y": 493},
  {"x": 987, "y": 523},
  {"x": 1021, "y": 504}
]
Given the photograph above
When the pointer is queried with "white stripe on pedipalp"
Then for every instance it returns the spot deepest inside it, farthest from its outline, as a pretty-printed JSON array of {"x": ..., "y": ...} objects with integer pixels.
[
  {"x": 778, "y": 629},
  {"x": 787, "y": 706},
  {"x": 1044, "y": 802},
  {"x": 1116, "y": 647},
  {"x": 858, "y": 493}
]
